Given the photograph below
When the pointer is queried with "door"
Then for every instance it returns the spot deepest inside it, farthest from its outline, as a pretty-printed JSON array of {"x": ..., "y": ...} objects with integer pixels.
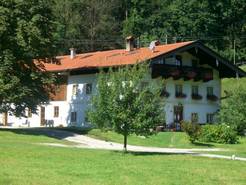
[
  {"x": 5, "y": 118},
  {"x": 178, "y": 115},
  {"x": 42, "y": 116}
]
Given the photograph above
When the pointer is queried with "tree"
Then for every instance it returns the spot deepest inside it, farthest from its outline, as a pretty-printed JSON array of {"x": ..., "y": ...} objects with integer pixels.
[
  {"x": 125, "y": 104},
  {"x": 26, "y": 32},
  {"x": 88, "y": 25},
  {"x": 233, "y": 110}
]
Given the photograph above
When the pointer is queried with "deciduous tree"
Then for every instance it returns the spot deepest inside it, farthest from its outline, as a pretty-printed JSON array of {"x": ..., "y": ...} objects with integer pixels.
[
  {"x": 125, "y": 104},
  {"x": 26, "y": 32}
]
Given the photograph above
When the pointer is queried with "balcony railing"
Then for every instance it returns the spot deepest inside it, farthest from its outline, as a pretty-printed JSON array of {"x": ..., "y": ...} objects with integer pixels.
[{"x": 186, "y": 72}]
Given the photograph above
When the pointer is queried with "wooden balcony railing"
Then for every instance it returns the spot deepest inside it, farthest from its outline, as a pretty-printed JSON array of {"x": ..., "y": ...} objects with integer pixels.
[{"x": 185, "y": 72}]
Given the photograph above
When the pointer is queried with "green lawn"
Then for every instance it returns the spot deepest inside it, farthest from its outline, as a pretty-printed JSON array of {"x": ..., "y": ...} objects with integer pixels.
[
  {"x": 171, "y": 140},
  {"x": 23, "y": 161}
]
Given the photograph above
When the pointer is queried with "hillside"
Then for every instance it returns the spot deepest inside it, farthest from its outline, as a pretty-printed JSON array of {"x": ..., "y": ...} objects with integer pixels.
[{"x": 232, "y": 83}]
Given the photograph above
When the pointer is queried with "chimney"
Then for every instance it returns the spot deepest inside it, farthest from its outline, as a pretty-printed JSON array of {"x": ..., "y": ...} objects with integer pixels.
[
  {"x": 153, "y": 44},
  {"x": 129, "y": 43},
  {"x": 72, "y": 53}
]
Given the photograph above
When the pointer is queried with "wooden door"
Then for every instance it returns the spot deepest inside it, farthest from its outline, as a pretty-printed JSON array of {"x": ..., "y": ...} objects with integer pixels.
[
  {"x": 42, "y": 116},
  {"x": 5, "y": 118},
  {"x": 178, "y": 113}
]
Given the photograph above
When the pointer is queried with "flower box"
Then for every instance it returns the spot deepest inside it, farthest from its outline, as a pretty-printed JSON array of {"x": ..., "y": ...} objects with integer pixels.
[
  {"x": 196, "y": 97},
  {"x": 180, "y": 95},
  {"x": 212, "y": 97}
]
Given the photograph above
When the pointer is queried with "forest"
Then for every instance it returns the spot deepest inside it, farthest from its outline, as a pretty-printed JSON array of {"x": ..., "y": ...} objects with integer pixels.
[{"x": 92, "y": 25}]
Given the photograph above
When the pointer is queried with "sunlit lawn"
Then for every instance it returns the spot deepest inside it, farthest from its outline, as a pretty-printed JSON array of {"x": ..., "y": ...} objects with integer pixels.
[
  {"x": 23, "y": 161},
  {"x": 172, "y": 140}
]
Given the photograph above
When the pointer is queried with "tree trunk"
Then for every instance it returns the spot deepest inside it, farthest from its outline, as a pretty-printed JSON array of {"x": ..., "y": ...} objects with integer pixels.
[{"x": 125, "y": 142}]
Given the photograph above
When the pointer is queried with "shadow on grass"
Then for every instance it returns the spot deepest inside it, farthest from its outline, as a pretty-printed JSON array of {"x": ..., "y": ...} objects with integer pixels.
[
  {"x": 57, "y": 133},
  {"x": 148, "y": 153},
  {"x": 203, "y": 144}
]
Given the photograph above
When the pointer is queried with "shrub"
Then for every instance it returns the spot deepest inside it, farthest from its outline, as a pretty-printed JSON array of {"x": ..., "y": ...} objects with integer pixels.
[
  {"x": 233, "y": 110},
  {"x": 191, "y": 129},
  {"x": 218, "y": 133}
]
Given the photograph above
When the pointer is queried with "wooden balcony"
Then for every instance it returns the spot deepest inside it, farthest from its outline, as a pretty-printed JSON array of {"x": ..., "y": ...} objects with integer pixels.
[{"x": 185, "y": 72}]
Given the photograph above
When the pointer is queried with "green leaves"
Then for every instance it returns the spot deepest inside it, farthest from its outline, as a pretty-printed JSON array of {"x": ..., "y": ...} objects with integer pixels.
[
  {"x": 126, "y": 106},
  {"x": 26, "y": 34},
  {"x": 233, "y": 110}
]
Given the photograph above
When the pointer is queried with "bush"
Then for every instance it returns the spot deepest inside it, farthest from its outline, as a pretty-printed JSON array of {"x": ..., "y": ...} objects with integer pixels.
[
  {"x": 218, "y": 133},
  {"x": 191, "y": 129}
]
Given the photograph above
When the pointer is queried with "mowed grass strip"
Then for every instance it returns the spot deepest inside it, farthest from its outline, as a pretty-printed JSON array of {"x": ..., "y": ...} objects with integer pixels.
[
  {"x": 171, "y": 140},
  {"x": 22, "y": 161}
]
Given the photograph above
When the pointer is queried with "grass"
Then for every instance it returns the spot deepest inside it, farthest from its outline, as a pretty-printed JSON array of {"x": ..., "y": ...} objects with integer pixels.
[
  {"x": 171, "y": 140},
  {"x": 22, "y": 161},
  {"x": 229, "y": 84}
]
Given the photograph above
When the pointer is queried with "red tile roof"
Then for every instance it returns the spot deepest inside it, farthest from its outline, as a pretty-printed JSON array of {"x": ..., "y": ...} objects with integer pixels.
[{"x": 111, "y": 58}]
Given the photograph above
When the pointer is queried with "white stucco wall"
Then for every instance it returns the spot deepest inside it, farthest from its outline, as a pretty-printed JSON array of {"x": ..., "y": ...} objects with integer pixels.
[{"x": 79, "y": 103}]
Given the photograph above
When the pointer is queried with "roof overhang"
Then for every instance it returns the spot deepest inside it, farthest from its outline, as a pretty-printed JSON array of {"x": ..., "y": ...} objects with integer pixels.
[{"x": 208, "y": 56}]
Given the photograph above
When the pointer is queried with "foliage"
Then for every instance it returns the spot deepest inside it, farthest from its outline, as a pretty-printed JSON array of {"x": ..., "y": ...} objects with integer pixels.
[
  {"x": 191, "y": 129},
  {"x": 103, "y": 24},
  {"x": 124, "y": 104},
  {"x": 218, "y": 133},
  {"x": 233, "y": 109},
  {"x": 87, "y": 25},
  {"x": 26, "y": 33}
]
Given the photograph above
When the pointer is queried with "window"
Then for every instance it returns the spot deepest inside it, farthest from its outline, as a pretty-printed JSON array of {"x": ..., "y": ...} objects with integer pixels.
[
  {"x": 194, "y": 90},
  {"x": 178, "y": 61},
  {"x": 86, "y": 119},
  {"x": 210, "y": 91},
  {"x": 56, "y": 111},
  {"x": 194, "y": 63},
  {"x": 29, "y": 113},
  {"x": 178, "y": 89},
  {"x": 73, "y": 117},
  {"x": 210, "y": 118},
  {"x": 194, "y": 117},
  {"x": 88, "y": 88},
  {"x": 75, "y": 89}
]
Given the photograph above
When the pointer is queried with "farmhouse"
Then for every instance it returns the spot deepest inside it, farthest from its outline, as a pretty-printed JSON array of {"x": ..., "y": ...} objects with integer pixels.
[{"x": 192, "y": 87}]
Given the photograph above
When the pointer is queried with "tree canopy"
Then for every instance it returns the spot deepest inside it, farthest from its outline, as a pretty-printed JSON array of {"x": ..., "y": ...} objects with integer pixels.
[
  {"x": 233, "y": 110},
  {"x": 103, "y": 24},
  {"x": 26, "y": 32},
  {"x": 126, "y": 103}
]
